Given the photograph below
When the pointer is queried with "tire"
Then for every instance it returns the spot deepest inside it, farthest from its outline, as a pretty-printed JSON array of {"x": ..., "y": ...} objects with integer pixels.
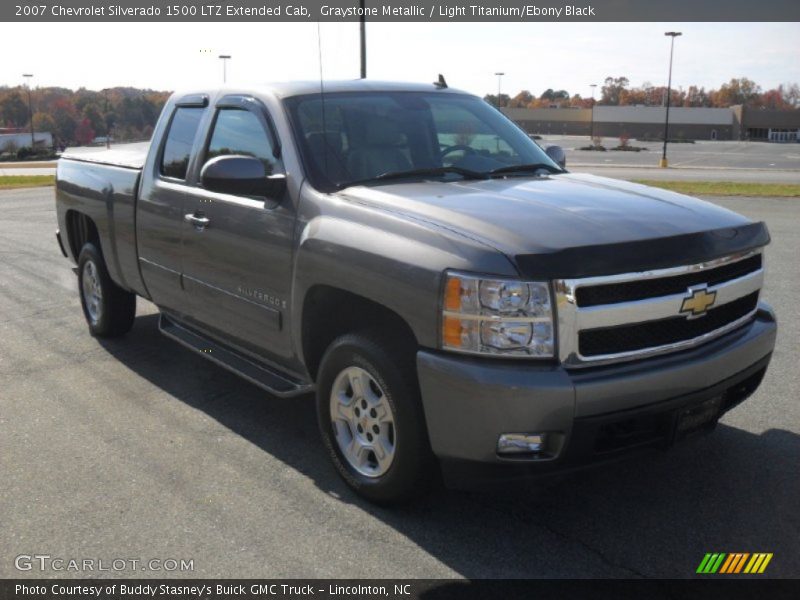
[
  {"x": 388, "y": 384},
  {"x": 109, "y": 310}
]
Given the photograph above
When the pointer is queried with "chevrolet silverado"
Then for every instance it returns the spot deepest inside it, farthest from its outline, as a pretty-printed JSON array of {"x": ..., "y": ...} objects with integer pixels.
[{"x": 460, "y": 304}]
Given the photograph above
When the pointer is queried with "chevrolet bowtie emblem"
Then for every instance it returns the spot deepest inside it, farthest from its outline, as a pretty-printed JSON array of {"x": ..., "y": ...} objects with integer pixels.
[{"x": 698, "y": 302}]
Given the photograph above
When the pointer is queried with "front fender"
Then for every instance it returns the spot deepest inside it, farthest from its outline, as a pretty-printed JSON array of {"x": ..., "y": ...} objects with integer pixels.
[{"x": 392, "y": 261}]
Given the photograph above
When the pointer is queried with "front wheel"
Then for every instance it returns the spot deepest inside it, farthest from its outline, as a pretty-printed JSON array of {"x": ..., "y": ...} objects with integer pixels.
[
  {"x": 371, "y": 419},
  {"x": 109, "y": 310}
]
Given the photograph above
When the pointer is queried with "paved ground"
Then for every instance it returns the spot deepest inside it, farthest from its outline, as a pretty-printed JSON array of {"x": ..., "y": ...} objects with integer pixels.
[
  {"x": 139, "y": 449},
  {"x": 725, "y": 155},
  {"x": 28, "y": 168},
  {"x": 701, "y": 161},
  {"x": 26, "y": 171}
]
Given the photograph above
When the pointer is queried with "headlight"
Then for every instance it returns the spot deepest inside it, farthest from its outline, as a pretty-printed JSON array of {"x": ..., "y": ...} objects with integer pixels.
[{"x": 504, "y": 317}]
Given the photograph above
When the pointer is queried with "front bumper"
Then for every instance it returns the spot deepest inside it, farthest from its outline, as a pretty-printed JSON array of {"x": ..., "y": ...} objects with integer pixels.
[{"x": 596, "y": 414}]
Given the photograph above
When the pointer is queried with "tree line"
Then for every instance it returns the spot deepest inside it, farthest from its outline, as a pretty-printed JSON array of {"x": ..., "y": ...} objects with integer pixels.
[
  {"x": 79, "y": 116},
  {"x": 617, "y": 91},
  {"x": 128, "y": 114}
]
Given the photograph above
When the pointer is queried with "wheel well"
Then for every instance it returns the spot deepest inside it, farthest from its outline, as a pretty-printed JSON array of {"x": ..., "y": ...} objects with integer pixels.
[
  {"x": 80, "y": 229},
  {"x": 330, "y": 312}
]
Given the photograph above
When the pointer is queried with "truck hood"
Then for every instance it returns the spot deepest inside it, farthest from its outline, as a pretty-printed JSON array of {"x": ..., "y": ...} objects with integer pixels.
[{"x": 558, "y": 214}]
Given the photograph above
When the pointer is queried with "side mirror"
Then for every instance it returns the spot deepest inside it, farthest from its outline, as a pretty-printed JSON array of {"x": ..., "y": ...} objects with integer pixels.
[
  {"x": 557, "y": 154},
  {"x": 241, "y": 176}
]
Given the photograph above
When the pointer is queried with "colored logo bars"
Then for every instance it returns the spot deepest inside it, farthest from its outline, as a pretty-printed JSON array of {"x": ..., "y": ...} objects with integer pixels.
[{"x": 737, "y": 562}]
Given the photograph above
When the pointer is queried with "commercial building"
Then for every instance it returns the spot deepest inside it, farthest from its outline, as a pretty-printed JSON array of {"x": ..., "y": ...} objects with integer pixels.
[
  {"x": 647, "y": 122},
  {"x": 766, "y": 125},
  {"x": 12, "y": 139}
]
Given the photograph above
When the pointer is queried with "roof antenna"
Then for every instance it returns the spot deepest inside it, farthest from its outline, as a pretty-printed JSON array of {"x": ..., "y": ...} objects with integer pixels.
[
  {"x": 322, "y": 99},
  {"x": 441, "y": 84}
]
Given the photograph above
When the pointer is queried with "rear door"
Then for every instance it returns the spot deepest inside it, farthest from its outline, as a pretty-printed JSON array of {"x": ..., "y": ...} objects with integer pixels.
[
  {"x": 237, "y": 268},
  {"x": 161, "y": 206}
]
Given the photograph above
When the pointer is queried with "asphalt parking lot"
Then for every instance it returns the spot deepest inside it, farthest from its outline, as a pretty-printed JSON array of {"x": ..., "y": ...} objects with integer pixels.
[
  {"x": 702, "y": 153},
  {"x": 136, "y": 448},
  {"x": 752, "y": 162},
  {"x": 758, "y": 162}
]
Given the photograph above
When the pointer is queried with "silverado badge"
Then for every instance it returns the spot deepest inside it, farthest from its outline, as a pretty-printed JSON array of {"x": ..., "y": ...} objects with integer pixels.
[{"x": 698, "y": 302}]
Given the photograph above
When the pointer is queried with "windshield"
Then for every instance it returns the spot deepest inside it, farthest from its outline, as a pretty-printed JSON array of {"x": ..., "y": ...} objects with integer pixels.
[{"x": 361, "y": 136}]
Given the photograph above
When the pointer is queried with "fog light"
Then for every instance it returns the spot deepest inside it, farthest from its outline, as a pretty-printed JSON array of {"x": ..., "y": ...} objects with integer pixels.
[{"x": 521, "y": 443}]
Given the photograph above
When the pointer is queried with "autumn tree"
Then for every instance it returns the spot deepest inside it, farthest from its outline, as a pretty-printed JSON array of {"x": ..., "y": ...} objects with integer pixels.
[
  {"x": 579, "y": 102},
  {"x": 43, "y": 122},
  {"x": 652, "y": 95},
  {"x": 521, "y": 100},
  {"x": 493, "y": 99},
  {"x": 772, "y": 99},
  {"x": 14, "y": 110},
  {"x": 64, "y": 115},
  {"x": 697, "y": 96},
  {"x": 736, "y": 91},
  {"x": 790, "y": 93},
  {"x": 84, "y": 134},
  {"x": 552, "y": 95},
  {"x": 613, "y": 89},
  {"x": 92, "y": 112}
]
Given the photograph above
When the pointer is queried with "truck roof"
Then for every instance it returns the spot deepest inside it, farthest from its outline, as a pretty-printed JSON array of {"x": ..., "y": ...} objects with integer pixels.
[{"x": 299, "y": 88}]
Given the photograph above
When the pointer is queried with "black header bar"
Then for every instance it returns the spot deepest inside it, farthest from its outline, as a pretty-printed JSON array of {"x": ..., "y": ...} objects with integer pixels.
[
  {"x": 523, "y": 11},
  {"x": 744, "y": 587}
]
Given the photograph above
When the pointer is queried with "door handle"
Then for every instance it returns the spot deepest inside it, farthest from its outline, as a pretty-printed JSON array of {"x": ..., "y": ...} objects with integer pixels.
[{"x": 200, "y": 222}]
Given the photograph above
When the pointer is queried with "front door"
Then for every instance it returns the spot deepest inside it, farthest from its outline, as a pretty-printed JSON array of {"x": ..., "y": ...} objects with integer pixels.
[{"x": 237, "y": 250}]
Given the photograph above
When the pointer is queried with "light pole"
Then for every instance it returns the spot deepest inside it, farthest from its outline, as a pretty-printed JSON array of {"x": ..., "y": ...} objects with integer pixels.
[
  {"x": 591, "y": 126},
  {"x": 106, "y": 119},
  {"x": 672, "y": 35},
  {"x": 499, "y": 83},
  {"x": 225, "y": 58},
  {"x": 29, "y": 76}
]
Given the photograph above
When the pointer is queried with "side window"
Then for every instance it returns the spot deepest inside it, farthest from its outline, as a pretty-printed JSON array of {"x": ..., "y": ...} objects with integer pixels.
[
  {"x": 239, "y": 131},
  {"x": 180, "y": 138}
]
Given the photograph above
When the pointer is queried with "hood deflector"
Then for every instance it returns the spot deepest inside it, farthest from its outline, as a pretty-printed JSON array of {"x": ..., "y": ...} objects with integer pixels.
[{"x": 643, "y": 255}]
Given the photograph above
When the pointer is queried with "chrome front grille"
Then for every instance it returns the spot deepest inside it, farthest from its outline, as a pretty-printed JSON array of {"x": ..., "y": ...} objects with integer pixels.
[{"x": 635, "y": 315}]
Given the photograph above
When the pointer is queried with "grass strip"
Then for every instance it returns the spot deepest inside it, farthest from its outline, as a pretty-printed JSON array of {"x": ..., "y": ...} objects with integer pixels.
[
  {"x": 11, "y": 182},
  {"x": 727, "y": 188}
]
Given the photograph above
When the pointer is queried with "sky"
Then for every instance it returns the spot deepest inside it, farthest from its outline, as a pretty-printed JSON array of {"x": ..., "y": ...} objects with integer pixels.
[{"x": 533, "y": 56}]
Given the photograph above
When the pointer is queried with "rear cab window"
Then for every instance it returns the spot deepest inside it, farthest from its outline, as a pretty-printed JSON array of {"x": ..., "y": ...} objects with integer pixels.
[{"x": 180, "y": 139}]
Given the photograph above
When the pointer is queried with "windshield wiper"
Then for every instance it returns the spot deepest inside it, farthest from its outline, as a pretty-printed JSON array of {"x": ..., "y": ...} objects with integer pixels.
[
  {"x": 524, "y": 169},
  {"x": 430, "y": 171}
]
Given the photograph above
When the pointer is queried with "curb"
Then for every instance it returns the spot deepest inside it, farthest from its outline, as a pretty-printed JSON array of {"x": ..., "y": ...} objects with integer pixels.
[{"x": 679, "y": 168}]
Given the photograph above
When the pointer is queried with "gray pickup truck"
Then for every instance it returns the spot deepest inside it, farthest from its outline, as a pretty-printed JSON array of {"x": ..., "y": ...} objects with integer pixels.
[{"x": 461, "y": 305}]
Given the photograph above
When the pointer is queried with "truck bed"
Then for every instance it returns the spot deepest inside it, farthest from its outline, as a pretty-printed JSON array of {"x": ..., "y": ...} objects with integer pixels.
[
  {"x": 127, "y": 156},
  {"x": 103, "y": 185}
]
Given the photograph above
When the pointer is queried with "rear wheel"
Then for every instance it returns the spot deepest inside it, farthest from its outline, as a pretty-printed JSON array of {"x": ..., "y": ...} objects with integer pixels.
[
  {"x": 109, "y": 310},
  {"x": 371, "y": 419}
]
